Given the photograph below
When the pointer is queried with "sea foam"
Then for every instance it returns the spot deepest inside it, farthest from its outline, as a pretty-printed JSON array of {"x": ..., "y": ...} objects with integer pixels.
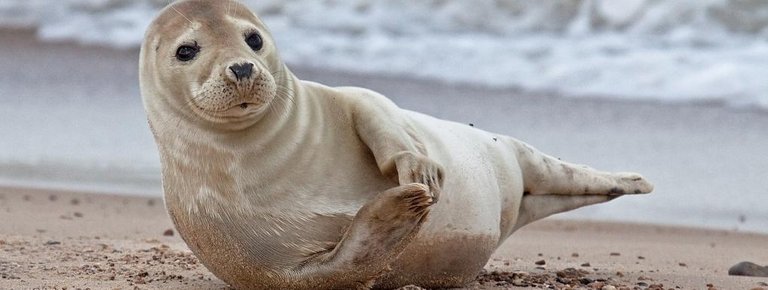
[{"x": 674, "y": 51}]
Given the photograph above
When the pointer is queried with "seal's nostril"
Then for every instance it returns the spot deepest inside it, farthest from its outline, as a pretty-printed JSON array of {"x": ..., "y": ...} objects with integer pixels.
[{"x": 242, "y": 70}]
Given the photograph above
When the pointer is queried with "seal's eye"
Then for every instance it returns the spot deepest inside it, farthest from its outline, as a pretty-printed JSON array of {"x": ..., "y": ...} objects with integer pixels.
[
  {"x": 254, "y": 40},
  {"x": 187, "y": 52}
]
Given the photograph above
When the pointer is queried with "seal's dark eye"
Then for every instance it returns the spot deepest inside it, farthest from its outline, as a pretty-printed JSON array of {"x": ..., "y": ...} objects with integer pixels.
[
  {"x": 187, "y": 52},
  {"x": 254, "y": 40}
]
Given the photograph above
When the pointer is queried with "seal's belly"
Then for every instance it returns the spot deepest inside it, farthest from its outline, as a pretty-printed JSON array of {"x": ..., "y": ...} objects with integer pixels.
[{"x": 440, "y": 261}]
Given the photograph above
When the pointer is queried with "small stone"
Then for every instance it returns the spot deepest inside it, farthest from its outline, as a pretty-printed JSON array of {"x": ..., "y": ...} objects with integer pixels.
[
  {"x": 52, "y": 242},
  {"x": 78, "y": 214},
  {"x": 683, "y": 264},
  {"x": 642, "y": 284},
  {"x": 608, "y": 287},
  {"x": 586, "y": 265},
  {"x": 471, "y": 125},
  {"x": 74, "y": 201},
  {"x": 748, "y": 269},
  {"x": 615, "y": 254},
  {"x": 575, "y": 255},
  {"x": 640, "y": 258},
  {"x": 762, "y": 283},
  {"x": 168, "y": 233},
  {"x": 586, "y": 281},
  {"x": 541, "y": 262}
]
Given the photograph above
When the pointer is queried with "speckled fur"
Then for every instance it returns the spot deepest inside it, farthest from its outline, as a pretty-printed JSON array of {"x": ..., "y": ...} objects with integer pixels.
[{"x": 279, "y": 183}]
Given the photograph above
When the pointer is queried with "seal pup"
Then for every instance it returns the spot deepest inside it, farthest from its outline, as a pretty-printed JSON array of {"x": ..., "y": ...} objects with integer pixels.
[{"x": 274, "y": 182}]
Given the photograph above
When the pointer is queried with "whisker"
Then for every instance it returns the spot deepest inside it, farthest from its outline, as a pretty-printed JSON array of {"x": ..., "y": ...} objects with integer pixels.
[{"x": 182, "y": 15}]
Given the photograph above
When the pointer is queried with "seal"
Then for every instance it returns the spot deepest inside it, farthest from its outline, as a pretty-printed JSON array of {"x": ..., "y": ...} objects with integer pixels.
[{"x": 274, "y": 182}]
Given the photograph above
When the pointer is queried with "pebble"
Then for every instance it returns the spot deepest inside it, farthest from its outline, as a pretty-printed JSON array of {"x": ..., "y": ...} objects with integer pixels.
[
  {"x": 748, "y": 269},
  {"x": 586, "y": 265},
  {"x": 168, "y": 233},
  {"x": 608, "y": 287},
  {"x": 615, "y": 254}
]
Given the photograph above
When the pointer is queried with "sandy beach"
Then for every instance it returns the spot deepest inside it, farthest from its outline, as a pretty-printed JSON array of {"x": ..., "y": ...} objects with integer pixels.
[
  {"x": 698, "y": 155},
  {"x": 69, "y": 240}
]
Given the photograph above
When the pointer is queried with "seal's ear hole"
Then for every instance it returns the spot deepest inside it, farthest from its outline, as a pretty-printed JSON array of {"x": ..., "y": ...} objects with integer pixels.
[
  {"x": 187, "y": 52},
  {"x": 254, "y": 40}
]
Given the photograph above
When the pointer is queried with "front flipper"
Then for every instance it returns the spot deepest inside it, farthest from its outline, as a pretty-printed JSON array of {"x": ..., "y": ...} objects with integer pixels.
[
  {"x": 395, "y": 144},
  {"x": 380, "y": 231}
]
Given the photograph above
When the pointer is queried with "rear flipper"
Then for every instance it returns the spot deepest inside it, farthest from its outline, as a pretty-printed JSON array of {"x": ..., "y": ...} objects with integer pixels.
[
  {"x": 543, "y": 174},
  {"x": 536, "y": 207}
]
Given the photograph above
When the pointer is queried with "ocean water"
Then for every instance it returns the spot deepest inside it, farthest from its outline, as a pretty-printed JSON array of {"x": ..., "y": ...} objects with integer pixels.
[
  {"x": 667, "y": 51},
  {"x": 673, "y": 51}
]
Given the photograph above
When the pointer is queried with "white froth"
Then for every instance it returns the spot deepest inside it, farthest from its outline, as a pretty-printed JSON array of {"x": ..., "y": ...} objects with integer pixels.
[{"x": 688, "y": 50}]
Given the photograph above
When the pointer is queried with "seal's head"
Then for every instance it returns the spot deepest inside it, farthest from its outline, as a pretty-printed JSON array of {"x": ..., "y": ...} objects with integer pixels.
[{"x": 211, "y": 62}]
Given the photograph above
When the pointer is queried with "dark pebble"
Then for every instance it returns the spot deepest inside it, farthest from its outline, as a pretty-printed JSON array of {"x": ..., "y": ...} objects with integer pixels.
[
  {"x": 541, "y": 262},
  {"x": 78, "y": 214},
  {"x": 748, "y": 269},
  {"x": 51, "y": 243},
  {"x": 168, "y": 233},
  {"x": 586, "y": 265}
]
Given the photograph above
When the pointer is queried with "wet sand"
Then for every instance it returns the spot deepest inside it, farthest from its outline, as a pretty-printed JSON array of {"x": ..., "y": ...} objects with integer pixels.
[{"x": 102, "y": 241}]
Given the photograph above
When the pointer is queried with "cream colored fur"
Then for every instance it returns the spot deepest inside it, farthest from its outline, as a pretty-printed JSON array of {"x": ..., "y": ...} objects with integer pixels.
[{"x": 275, "y": 182}]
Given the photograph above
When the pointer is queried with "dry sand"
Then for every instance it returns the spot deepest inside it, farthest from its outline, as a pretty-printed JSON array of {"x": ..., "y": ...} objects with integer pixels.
[{"x": 100, "y": 241}]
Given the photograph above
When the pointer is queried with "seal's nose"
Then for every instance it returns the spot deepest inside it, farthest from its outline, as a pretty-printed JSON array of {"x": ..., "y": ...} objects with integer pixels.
[{"x": 242, "y": 70}]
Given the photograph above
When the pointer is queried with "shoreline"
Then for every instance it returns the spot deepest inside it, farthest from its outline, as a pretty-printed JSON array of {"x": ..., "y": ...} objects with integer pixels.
[{"x": 69, "y": 239}]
